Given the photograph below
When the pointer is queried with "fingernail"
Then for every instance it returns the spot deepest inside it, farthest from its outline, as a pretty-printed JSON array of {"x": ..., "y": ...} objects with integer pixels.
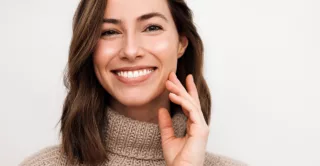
[{"x": 192, "y": 78}]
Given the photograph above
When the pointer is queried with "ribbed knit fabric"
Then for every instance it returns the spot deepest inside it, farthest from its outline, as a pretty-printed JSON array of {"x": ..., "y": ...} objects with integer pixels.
[{"x": 129, "y": 142}]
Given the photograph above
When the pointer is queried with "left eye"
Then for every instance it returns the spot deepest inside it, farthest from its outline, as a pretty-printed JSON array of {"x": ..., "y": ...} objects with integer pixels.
[{"x": 153, "y": 28}]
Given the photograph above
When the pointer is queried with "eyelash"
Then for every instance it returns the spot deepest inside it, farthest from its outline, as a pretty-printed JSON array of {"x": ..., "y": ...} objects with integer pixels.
[{"x": 114, "y": 32}]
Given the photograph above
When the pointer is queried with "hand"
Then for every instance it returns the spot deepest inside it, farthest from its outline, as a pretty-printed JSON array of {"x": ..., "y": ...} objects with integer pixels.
[{"x": 189, "y": 150}]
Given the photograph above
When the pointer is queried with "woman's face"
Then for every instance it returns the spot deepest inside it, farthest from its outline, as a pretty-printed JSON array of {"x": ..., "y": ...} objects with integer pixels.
[{"x": 138, "y": 48}]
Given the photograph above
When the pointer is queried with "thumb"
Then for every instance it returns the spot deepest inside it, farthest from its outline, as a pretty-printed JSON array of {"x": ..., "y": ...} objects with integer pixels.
[{"x": 165, "y": 125}]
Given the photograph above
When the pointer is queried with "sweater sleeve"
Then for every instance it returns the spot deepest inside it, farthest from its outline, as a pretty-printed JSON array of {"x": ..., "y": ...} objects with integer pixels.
[
  {"x": 49, "y": 156},
  {"x": 212, "y": 159}
]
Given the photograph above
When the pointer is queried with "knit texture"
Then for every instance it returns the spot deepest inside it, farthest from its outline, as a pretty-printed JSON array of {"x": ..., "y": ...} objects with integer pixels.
[{"x": 129, "y": 142}]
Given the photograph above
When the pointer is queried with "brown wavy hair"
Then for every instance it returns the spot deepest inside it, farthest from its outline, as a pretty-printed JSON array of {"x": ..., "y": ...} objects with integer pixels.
[{"x": 83, "y": 116}]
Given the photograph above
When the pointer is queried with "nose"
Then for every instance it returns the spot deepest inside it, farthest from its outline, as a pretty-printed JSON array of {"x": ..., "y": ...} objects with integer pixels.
[{"x": 131, "y": 49}]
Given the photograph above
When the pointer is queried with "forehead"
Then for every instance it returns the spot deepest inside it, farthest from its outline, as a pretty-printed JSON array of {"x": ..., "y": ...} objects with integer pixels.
[{"x": 131, "y": 9}]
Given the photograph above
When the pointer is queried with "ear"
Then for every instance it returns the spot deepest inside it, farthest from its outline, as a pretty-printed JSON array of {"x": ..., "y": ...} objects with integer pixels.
[{"x": 183, "y": 44}]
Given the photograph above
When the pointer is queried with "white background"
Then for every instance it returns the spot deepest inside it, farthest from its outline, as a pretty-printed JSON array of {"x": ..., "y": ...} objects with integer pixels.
[{"x": 261, "y": 62}]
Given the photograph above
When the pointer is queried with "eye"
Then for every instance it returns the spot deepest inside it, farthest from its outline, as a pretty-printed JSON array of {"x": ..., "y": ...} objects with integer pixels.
[
  {"x": 109, "y": 33},
  {"x": 153, "y": 28}
]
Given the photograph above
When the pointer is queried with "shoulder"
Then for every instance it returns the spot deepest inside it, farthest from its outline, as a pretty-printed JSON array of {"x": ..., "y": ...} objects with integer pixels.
[
  {"x": 49, "y": 156},
  {"x": 212, "y": 159}
]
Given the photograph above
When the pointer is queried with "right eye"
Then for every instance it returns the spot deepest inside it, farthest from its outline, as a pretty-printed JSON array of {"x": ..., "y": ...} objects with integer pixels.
[{"x": 109, "y": 33}]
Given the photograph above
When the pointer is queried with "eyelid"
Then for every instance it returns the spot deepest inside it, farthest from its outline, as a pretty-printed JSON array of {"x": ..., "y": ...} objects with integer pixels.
[
  {"x": 116, "y": 32},
  {"x": 108, "y": 30},
  {"x": 149, "y": 25}
]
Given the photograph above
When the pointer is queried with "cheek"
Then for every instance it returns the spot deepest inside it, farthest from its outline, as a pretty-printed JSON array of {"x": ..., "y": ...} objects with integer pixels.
[
  {"x": 160, "y": 46},
  {"x": 164, "y": 48},
  {"x": 104, "y": 52}
]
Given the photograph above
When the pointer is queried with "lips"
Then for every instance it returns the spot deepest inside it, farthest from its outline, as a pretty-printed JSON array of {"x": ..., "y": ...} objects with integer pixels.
[
  {"x": 133, "y": 68},
  {"x": 134, "y": 75}
]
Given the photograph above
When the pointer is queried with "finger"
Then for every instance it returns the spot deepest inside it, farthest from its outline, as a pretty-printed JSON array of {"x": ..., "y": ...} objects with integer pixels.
[
  {"x": 165, "y": 126},
  {"x": 188, "y": 108},
  {"x": 180, "y": 91},
  {"x": 192, "y": 89},
  {"x": 173, "y": 77},
  {"x": 183, "y": 93},
  {"x": 173, "y": 88},
  {"x": 177, "y": 100}
]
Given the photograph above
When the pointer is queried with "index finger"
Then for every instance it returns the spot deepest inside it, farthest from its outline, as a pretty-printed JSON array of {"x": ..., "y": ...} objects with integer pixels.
[{"x": 192, "y": 89}]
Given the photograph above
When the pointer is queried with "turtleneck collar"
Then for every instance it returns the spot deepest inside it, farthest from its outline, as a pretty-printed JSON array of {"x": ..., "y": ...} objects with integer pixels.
[{"x": 136, "y": 139}]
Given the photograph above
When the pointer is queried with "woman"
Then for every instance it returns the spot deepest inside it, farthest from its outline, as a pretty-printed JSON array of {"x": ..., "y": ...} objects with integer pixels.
[{"x": 137, "y": 95}]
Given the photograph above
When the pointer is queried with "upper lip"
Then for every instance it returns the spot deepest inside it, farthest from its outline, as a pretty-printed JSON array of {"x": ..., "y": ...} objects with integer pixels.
[{"x": 132, "y": 68}]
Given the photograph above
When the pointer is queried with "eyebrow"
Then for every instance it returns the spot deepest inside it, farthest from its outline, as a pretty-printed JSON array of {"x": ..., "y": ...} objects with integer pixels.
[{"x": 139, "y": 19}]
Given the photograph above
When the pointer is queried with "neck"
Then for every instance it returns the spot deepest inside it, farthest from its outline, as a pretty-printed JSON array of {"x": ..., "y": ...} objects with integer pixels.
[
  {"x": 135, "y": 139},
  {"x": 147, "y": 112}
]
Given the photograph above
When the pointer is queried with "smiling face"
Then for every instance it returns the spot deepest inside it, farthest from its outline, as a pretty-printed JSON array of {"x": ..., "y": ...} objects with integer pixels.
[{"x": 138, "y": 48}]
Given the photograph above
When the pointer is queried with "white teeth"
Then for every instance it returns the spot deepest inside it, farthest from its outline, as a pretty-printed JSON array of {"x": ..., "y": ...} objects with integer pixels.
[
  {"x": 130, "y": 75},
  {"x": 134, "y": 74}
]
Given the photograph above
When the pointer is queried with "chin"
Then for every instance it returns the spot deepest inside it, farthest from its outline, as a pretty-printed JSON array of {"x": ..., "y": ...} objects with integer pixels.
[
  {"x": 135, "y": 100},
  {"x": 139, "y": 96}
]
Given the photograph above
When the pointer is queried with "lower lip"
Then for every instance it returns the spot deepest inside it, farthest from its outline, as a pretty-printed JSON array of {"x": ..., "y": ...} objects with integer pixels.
[{"x": 134, "y": 80}]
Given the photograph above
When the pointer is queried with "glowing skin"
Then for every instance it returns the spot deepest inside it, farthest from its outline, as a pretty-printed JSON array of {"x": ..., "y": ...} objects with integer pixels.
[
  {"x": 133, "y": 37},
  {"x": 132, "y": 41}
]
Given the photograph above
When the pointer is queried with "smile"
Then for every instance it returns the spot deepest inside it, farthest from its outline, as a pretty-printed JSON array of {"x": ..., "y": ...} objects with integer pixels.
[{"x": 134, "y": 76}]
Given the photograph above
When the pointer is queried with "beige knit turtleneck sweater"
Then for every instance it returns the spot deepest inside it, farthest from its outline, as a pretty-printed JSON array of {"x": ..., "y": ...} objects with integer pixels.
[{"x": 129, "y": 142}]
